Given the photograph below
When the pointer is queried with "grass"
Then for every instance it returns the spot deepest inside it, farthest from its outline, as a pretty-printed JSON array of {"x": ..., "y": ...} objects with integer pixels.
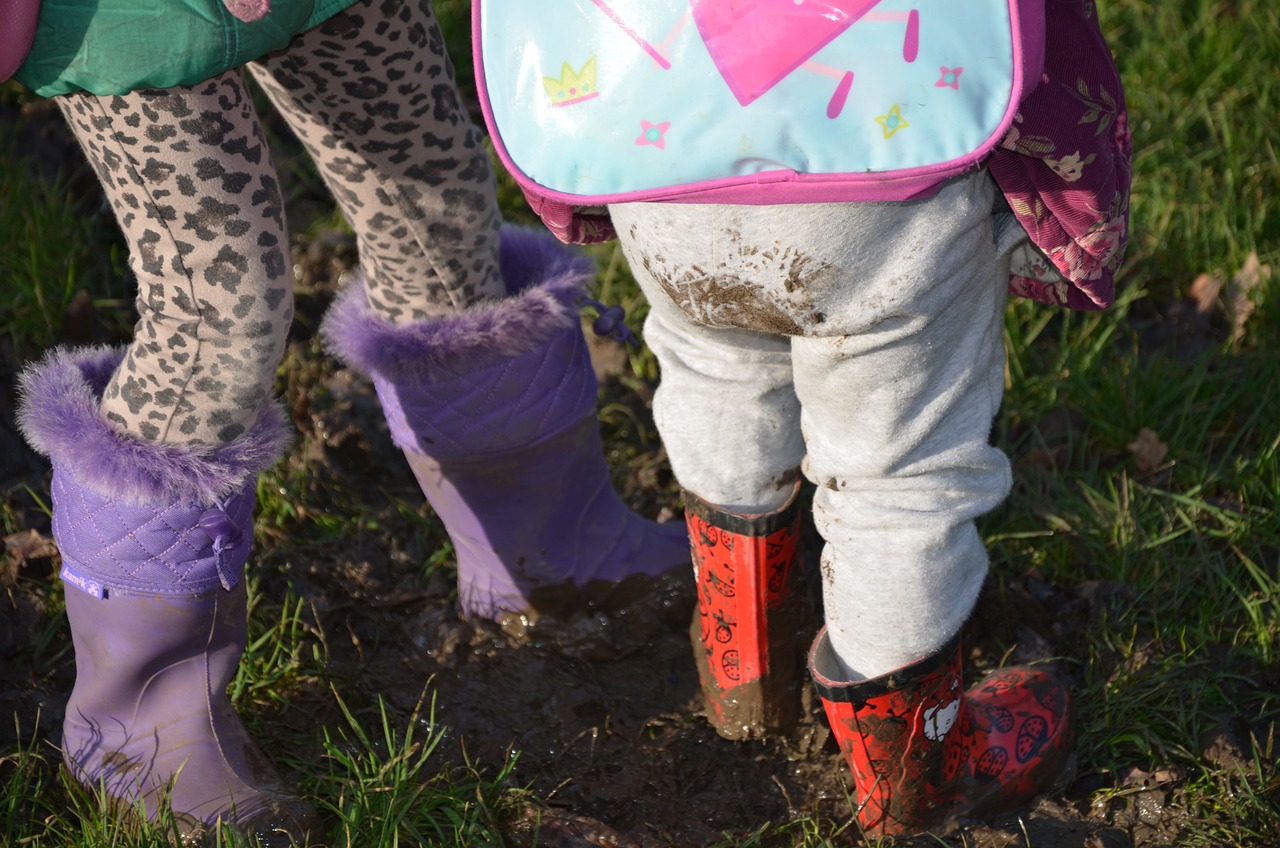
[
  {"x": 384, "y": 794},
  {"x": 1184, "y": 540},
  {"x": 40, "y": 286},
  {"x": 377, "y": 778}
]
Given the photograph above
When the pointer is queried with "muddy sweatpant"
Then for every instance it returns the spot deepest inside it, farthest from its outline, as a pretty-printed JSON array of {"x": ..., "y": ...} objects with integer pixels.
[
  {"x": 863, "y": 344},
  {"x": 371, "y": 95}
]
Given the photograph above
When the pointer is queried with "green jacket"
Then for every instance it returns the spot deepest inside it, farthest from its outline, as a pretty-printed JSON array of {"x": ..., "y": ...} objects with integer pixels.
[{"x": 115, "y": 46}]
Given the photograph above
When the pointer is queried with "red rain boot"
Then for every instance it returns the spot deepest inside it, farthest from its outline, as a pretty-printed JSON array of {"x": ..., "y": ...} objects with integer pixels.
[
  {"x": 924, "y": 752},
  {"x": 751, "y": 611}
]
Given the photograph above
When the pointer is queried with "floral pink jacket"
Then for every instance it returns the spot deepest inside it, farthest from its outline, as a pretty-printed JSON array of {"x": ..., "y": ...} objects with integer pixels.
[{"x": 1065, "y": 166}]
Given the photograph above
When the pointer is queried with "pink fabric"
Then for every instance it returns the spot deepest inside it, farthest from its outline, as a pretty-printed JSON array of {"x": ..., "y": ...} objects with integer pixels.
[
  {"x": 17, "y": 30},
  {"x": 571, "y": 224},
  {"x": 755, "y": 43},
  {"x": 248, "y": 10},
  {"x": 1065, "y": 166}
]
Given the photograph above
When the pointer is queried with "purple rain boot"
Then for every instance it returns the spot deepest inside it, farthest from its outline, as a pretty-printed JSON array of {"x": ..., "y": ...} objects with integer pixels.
[
  {"x": 495, "y": 409},
  {"x": 156, "y": 607}
]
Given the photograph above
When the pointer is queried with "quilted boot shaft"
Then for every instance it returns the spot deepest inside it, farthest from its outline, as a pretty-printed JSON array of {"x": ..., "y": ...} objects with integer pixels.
[
  {"x": 924, "y": 752},
  {"x": 510, "y": 458},
  {"x": 174, "y": 549},
  {"x": 751, "y": 613},
  {"x": 154, "y": 538},
  {"x": 495, "y": 409}
]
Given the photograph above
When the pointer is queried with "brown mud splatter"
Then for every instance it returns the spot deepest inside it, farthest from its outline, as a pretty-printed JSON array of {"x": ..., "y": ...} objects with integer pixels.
[{"x": 731, "y": 295}]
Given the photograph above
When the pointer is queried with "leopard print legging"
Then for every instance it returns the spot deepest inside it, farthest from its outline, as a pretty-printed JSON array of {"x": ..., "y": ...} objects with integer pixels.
[{"x": 371, "y": 94}]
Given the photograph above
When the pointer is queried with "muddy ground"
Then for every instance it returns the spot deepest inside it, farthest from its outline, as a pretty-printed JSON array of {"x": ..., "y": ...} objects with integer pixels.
[{"x": 604, "y": 716}]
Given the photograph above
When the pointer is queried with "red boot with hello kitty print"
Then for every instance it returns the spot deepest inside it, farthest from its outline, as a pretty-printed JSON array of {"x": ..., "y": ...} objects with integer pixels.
[{"x": 924, "y": 752}]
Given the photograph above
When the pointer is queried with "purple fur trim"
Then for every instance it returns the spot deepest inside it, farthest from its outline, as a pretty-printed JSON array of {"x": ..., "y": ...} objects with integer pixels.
[
  {"x": 530, "y": 257},
  {"x": 544, "y": 278},
  {"x": 60, "y": 417}
]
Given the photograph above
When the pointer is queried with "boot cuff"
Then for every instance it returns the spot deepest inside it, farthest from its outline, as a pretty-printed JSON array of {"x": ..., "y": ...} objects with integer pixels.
[
  {"x": 826, "y": 673},
  {"x": 60, "y": 417},
  {"x": 753, "y": 525},
  {"x": 544, "y": 281}
]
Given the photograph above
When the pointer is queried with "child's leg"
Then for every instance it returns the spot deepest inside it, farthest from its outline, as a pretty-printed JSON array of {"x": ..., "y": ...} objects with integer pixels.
[
  {"x": 190, "y": 179},
  {"x": 730, "y": 422},
  {"x": 894, "y": 313},
  {"x": 893, "y": 316},
  {"x": 156, "y": 452},
  {"x": 371, "y": 95},
  {"x": 474, "y": 343},
  {"x": 897, "y": 416},
  {"x": 725, "y": 407}
]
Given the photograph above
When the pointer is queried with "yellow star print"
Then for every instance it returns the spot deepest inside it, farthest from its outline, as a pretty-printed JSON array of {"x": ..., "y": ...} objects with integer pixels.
[{"x": 893, "y": 121}]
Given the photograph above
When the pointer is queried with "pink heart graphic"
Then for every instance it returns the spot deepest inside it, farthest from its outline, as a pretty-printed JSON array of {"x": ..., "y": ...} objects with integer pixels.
[{"x": 756, "y": 43}]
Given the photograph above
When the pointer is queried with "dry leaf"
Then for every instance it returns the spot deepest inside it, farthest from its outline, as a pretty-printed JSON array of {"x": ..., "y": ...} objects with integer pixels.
[
  {"x": 1134, "y": 776},
  {"x": 1169, "y": 774},
  {"x": 1205, "y": 290},
  {"x": 1242, "y": 284},
  {"x": 29, "y": 544},
  {"x": 608, "y": 357},
  {"x": 20, "y": 548},
  {"x": 1148, "y": 451}
]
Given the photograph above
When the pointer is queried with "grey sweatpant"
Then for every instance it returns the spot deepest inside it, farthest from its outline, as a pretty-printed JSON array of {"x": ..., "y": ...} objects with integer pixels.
[{"x": 863, "y": 344}]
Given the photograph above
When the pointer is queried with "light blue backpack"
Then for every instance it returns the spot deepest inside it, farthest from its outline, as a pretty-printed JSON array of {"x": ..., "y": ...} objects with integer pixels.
[{"x": 591, "y": 102}]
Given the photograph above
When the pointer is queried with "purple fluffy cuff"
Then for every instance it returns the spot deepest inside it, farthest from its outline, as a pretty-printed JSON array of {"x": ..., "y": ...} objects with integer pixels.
[
  {"x": 59, "y": 415},
  {"x": 544, "y": 279}
]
